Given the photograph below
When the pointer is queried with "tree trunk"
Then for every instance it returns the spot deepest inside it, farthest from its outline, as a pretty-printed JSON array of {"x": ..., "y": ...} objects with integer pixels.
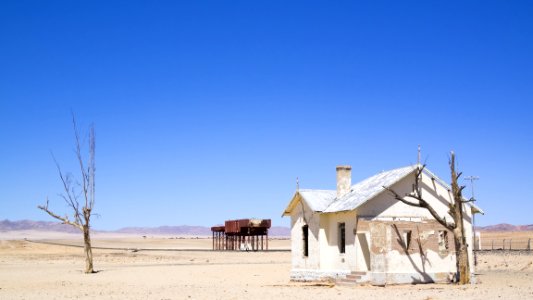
[
  {"x": 461, "y": 247},
  {"x": 461, "y": 254},
  {"x": 88, "y": 250}
]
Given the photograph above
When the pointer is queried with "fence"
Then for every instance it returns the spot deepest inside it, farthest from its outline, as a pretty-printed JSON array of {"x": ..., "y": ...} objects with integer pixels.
[{"x": 507, "y": 244}]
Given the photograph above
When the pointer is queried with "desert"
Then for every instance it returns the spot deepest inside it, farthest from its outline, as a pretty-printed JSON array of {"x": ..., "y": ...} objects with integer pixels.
[{"x": 37, "y": 265}]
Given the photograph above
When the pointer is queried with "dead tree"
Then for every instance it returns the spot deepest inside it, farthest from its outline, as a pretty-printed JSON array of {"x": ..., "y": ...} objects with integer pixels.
[
  {"x": 456, "y": 224},
  {"x": 82, "y": 209}
]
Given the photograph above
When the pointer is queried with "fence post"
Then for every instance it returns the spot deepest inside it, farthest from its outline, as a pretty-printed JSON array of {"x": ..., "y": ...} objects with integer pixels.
[
  {"x": 510, "y": 243},
  {"x": 492, "y": 244},
  {"x": 529, "y": 244},
  {"x": 503, "y": 246}
]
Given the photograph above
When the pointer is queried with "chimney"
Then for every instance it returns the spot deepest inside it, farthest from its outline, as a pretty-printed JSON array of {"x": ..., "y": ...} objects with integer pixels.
[{"x": 344, "y": 180}]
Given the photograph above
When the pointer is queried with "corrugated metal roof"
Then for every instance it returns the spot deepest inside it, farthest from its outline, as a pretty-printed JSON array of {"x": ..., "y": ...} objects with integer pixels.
[
  {"x": 326, "y": 200},
  {"x": 367, "y": 189},
  {"x": 318, "y": 200}
]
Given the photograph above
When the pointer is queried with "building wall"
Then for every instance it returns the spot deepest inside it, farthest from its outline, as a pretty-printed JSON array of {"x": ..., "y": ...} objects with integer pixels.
[
  {"x": 301, "y": 216},
  {"x": 384, "y": 206},
  {"x": 330, "y": 256},
  {"x": 409, "y": 251}
]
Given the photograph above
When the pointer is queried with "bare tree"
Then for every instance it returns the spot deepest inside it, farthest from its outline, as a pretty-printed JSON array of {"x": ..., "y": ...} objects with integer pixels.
[
  {"x": 456, "y": 224},
  {"x": 82, "y": 209}
]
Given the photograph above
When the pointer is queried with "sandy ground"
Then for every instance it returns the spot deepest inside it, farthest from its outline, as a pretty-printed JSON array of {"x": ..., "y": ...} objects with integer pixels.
[{"x": 31, "y": 270}]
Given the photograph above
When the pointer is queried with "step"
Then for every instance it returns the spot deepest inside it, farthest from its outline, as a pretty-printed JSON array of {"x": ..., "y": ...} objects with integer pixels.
[
  {"x": 346, "y": 282},
  {"x": 358, "y": 273},
  {"x": 353, "y": 277}
]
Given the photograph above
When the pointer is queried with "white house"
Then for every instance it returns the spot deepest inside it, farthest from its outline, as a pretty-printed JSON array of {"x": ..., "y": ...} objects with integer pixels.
[{"x": 361, "y": 232}]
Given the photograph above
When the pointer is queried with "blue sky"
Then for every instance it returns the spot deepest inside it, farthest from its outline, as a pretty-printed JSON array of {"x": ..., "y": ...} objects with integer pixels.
[{"x": 209, "y": 110}]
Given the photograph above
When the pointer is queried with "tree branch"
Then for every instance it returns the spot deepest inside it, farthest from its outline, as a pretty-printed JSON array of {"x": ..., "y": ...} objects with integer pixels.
[
  {"x": 397, "y": 197},
  {"x": 70, "y": 197},
  {"x": 65, "y": 219},
  {"x": 469, "y": 200},
  {"x": 84, "y": 175},
  {"x": 417, "y": 195}
]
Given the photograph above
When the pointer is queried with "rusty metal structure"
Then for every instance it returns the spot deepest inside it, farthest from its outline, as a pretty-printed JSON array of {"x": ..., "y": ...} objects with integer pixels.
[{"x": 243, "y": 234}]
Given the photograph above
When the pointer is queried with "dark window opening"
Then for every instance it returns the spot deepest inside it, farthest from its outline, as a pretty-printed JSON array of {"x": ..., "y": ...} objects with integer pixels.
[
  {"x": 342, "y": 238},
  {"x": 407, "y": 239},
  {"x": 443, "y": 240},
  {"x": 305, "y": 234}
]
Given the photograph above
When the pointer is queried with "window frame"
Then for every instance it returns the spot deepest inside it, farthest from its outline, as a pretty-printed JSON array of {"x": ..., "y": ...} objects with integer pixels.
[
  {"x": 305, "y": 240},
  {"x": 342, "y": 237}
]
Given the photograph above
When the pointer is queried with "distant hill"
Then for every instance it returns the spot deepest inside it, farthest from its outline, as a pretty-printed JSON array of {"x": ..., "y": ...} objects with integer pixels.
[
  {"x": 279, "y": 231},
  {"x": 7, "y": 225},
  {"x": 506, "y": 227}
]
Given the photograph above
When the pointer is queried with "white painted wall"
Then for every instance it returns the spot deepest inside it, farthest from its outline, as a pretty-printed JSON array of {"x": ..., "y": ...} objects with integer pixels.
[
  {"x": 301, "y": 216},
  {"x": 385, "y": 206},
  {"x": 330, "y": 256}
]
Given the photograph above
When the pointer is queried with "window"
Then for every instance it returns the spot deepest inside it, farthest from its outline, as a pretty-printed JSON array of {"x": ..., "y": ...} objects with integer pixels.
[
  {"x": 342, "y": 238},
  {"x": 305, "y": 236},
  {"x": 443, "y": 240},
  {"x": 407, "y": 239}
]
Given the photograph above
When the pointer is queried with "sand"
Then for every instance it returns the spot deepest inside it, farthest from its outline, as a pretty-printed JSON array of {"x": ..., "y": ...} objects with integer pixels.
[{"x": 30, "y": 270}]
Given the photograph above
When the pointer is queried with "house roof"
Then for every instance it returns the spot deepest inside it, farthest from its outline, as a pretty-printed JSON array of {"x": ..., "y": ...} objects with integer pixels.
[
  {"x": 318, "y": 200},
  {"x": 367, "y": 189},
  {"x": 326, "y": 200}
]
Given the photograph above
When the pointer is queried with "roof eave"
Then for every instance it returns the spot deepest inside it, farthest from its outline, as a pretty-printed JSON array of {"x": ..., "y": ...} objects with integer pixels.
[
  {"x": 476, "y": 209},
  {"x": 291, "y": 204}
]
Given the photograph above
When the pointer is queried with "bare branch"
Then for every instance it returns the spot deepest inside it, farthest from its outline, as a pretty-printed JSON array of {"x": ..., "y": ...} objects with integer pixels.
[
  {"x": 80, "y": 161},
  {"x": 65, "y": 219},
  {"x": 417, "y": 190},
  {"x": 417, "y": 195},
  {"x": 70, "y": 197},
  {"x": 399, "y": 198},
  {"x": 92, "y": 168}
]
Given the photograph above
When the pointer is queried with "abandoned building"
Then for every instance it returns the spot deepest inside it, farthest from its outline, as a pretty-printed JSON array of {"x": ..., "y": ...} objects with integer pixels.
[
  {"x": 243, "y": 234},
  {"x": 361, "y": 233}
]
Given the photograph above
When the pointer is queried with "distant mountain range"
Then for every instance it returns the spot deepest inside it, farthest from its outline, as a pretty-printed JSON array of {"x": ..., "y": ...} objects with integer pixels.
[
  {"x": 7, "y": 225},
  {"x": 506, "y": 227}
]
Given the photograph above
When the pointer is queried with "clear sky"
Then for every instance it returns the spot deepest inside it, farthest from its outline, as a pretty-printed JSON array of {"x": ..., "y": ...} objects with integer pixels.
[{"x": 209, "y": 110}]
